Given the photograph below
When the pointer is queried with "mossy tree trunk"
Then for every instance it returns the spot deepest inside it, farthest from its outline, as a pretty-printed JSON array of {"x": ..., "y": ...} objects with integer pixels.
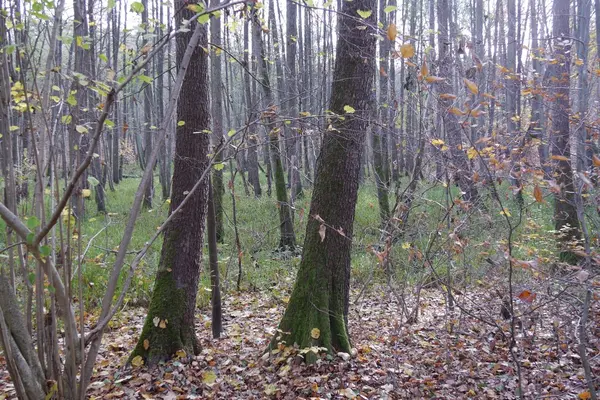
[
  {"x": 169, "y": 325},
  {"x": 565, "y": 212},
  {"x": 320, "y": 296}
]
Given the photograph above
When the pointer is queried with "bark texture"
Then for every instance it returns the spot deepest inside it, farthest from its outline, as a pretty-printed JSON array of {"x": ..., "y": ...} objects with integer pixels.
[
  {"x": 565, "y": 212},
  {"x": 320, "y": 296},
  {"x": 169, "y": 325}
]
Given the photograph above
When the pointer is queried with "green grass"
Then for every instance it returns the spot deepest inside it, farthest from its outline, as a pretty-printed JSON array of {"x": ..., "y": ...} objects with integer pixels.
[{"x": 483, "y": 234}]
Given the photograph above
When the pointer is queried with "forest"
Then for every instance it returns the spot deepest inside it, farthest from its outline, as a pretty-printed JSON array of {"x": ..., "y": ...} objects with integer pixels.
[{"x": 299, "y": 199}]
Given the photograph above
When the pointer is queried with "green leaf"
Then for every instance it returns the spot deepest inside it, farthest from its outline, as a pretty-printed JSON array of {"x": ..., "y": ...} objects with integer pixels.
[
  {"x": 219, "y": 166},
  {"x": 349, "y": 110},
  {"x": 13, "y": 128},
  {"x": 364, "y": 14},
  {"x": 145, "y": 78},
  {"x": 66, "y": 119},
  {"x": 45, "y": 250},
  {"x": 180, "y": 123},
  {"x": 33, "y": 222},
  {"x": 30, "y": 237},
  {"x": 111, "y": 4},
  {"x": 93, "y": 181},
  {"x": 389, "y": 9},
  {"x": 231, "y": 132},
  {"x": 81, "y": 129},
  {"x": 103, "y": 57},
  {"x": 203, "y": 19},
  {"x": 31, "y": 277},
  {"x": 137, "y": 7},
  {"x": 109, "y": 124}
]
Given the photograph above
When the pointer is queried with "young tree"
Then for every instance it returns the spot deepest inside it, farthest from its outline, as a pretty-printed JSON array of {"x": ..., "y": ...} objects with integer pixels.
[
  {"x": 565, "y": 213},
  {"x": 218, "y": 188},
  {"x": 169, "y": 325},
  {"x": 317, "y": 311}
]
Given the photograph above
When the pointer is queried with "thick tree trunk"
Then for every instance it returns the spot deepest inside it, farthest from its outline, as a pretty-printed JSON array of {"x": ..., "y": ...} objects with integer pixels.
[
  {"x": 565, "y": 212},
  {"x": 317, "y": 312},
  {"x": 169, "y": 325}
]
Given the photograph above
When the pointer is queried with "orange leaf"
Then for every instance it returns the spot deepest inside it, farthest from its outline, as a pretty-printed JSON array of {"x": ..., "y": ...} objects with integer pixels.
[
  {"x": 433, "y": 79},
  {"x": 424, "y": 69},
  {"x": 392, "y": 32},
  {"x": 527, "y": 296},
  {"x": 559, "y": 158},
  {"x": 595, "y": 160},
  {"x": 407, "y": 50},
  {"x": 537, "y": 193},
  {"x": 455, "y": 111},
  {"x": 447, "y": 96},
  {"x": 471, "y": 86},
  {"x": 584, "y": 395}
]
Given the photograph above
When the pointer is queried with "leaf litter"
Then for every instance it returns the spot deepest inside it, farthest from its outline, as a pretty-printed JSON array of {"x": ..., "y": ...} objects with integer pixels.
[{"x": 442, "y": 356}]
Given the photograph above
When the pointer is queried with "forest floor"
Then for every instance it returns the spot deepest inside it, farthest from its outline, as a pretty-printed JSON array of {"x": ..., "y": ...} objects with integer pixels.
[{"x": 443, "y": 356}]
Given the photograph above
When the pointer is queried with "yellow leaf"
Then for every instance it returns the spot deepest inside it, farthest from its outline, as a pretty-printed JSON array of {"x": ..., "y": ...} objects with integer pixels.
[
  {"x": 180, "y": 354},
  {"x": 407, "y": 50},
  {"x": 559, "y": 158},
  {"x": 505, "y": 212},
  {"x": 406, "y": 245},
  {"x": 437, "y": 142},
  {"x": 146, "y": 344},
  {"x": 471, "y": 153},
  {"x": 137, "y": 361},
  {"x": 471, "y": 86},
  {"x": 85, "y": 193},
  {"x": 392, "y": 32},
  {"x": 315, "y": 333},
  {"x": 209, "y": 377}
]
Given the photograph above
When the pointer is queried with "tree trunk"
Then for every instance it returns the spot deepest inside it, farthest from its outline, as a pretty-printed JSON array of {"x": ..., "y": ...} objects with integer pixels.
[
  {"x": 317, "y": 312},
  {"x": 452, "y": 127},
  {"x": 565, "y": 213},
  {"x": 169, "y": 325},
  {"x": 286, "y": 227},
  {"x": 147, "y": 124},
  {"x": 217, "y": 120}
]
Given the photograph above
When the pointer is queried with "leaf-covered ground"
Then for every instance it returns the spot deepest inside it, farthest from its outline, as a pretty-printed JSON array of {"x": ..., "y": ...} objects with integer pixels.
[{"x": 444, "y": 356}]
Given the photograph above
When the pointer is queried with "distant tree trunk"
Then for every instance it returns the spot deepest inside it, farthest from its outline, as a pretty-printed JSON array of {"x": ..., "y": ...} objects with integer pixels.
[
  {"x": 565, "y": 213},
  {"x": 292, "y": 144},
  {"x": 169, "y": 325},
  {"x": 581, "y": 133},
  {"x": 211, "y": 231},
  {"x": 535, "y": 129},
  {"x": 116, "y": 134},
  {"x": 163, "y": 161},
  {"x": 286, "y": 227},
  {"x": 379, "y": 131},
  {"x": 318, "y": 308},
  {"x": 216, "y": 82},
  {"x": 147, "y": 123},
  {"x": 451, "y": 123}
]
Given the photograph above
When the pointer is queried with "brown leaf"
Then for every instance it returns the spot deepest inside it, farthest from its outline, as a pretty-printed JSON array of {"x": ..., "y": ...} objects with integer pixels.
[
  {"x": 537, "y": 193},
  {"x": 527, "y": 296},
  {"x": 559, "y": 158}
]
